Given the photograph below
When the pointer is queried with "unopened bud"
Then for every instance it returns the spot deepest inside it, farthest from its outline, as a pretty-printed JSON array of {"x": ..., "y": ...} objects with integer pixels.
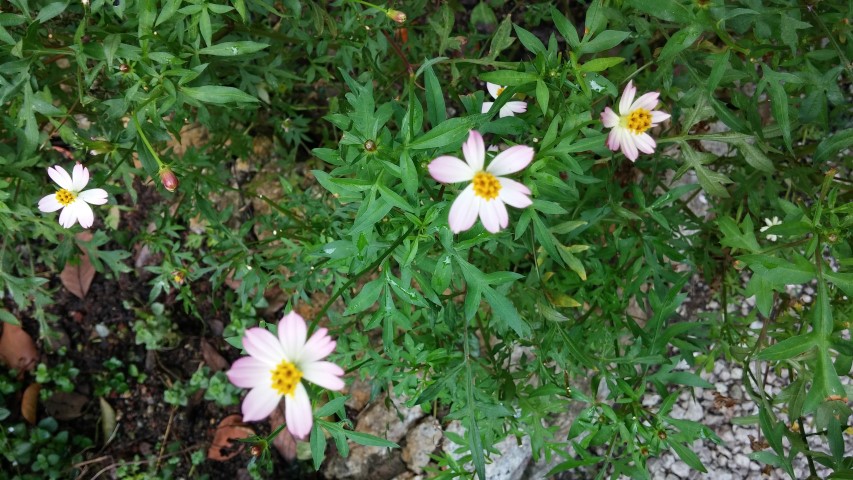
[
  {"x": 100, "y": 147},
  {"x": 397, "y": 16},
  {"x": 124, "y": 68},
  {"x": 168, "y": 179},
  {"x": 370, "y": 146}
]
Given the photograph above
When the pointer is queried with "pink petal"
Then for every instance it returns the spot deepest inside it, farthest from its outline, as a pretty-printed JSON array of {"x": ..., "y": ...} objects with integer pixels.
[
  {"x": 297, "y": 412},
  {"x": 264, "y": 346},
  {"x": 627, "y": 98},
  {"x": 629, "y": 148},
  {"x": 609, "y": 118},
  {"x": 80, "y": 177},
  {"x": 259, "y": 403},
  {"x": 486, "y": 107},
  {"x": 249, "y": 372},
  {"x": 61, "y": 177},
  {"x": 503, "y": 215},
  {"x": 513, "y": 193},
  {"x": 324, "y": 374},
  {"x": 645, "y": 143},
  {"x": 49, "y": 203},
  {"x": 658, "y": 116},
  {"x": 489, "y": 215},
  {"x": 68, "y": 216},
  {"x": 84, "y": 213},
  {"x": 493, "y": 89},
  {"x": 463, "y": 212},
  {"x": 613, "y": 138},
  {"x": 647, "y": 102},
  {"x": 317, "y": 347},
  {"x": 95, "y": 196},
  {"x": 474, "y": 151},
  {"x": 511, "y": 160},
  {"x": 447, "y": 169},
  {"x": 291, "y": 335}
]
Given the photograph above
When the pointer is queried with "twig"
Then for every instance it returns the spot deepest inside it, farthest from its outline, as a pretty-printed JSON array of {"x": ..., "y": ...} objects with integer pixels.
[{"x": 165, "y": 439}]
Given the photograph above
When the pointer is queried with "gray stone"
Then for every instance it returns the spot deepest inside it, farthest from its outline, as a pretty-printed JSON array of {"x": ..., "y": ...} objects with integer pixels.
[{"x": 421, "y": 441}]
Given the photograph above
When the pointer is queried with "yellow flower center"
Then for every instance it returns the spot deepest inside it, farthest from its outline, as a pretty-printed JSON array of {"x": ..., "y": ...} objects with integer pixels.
[
  {"x": 501, "y": 90},
  {"x": 65, "y": 197},
  {"x": 285, "y": 378},
  {"x": 486, "y": 186},
  {"x": 638, "y": 121}
]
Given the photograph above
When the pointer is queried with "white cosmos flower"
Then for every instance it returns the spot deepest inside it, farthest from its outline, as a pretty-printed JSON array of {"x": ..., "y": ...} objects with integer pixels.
[
  {"x": 489, "y": 192},
  {"x": 771, "y": 223},
  {"x": 628, "y": 128},
  {"x": 276, "y": 367},
  {"x": 71, "y": 198},
  {"x": 509, "y": 109}
]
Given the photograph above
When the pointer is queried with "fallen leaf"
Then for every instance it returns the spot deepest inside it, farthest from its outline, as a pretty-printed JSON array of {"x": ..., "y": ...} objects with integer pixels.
[
  {"x": 230, "y": 428},
  {"x": 65, "y": 405},
  {"x": 17, "y": 349},
  {"x": 212, "y": 357},
  {"x": 108, "y": 420},
  {"x": 284, "y": 442},
  {"x": 30, "y": 402},
  {"x": 77, "y": 278}
]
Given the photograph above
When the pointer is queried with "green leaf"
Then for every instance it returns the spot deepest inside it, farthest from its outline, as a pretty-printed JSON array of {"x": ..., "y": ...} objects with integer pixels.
[
  {"x": 318, "y": 445},
  {"x": 205, "y": 27},
  {"x": 780, "y": 271},
  {"x": 50, "y": 11},
  {"x": 683, "y": 378},
  {"x": 735, "y": 237},
  {"x": 669, "y": 10},
  {"x": 501, "y": 40},
  {"x": 530, "y": 42},
  {"x": 330, "y": 407},
  {"x": 432, "y": 392},
  {"x": 600, "y": 64},
  {"x": 369, "y": 440},
  {"x": 679, "y": 42},
  {"x": 233, "y": 49},
  {"x": 509, "y": 78},
  {"x": 755, "y": 157},
  {"x": 830, "y": 146},
  {"x": 566, "y": 29},
  {"x": 505, "y": 311},
  {"x": 542, "y": 95},
  {"x": 717, "y": 71},
  {"x": 366, "y": 298},
  {"x": 788, "y": 348},
  {"x": 603, "y": 41},
  {"x": 449, "y": 132},
  {"x": 688, "y": 456},
  {"x": 6, "y": 316},
  {"x": 844, "y": 281},
  {"x": 436, "y": 109},
  {"x": 779, "y": 104},
  {"x": 218, "y": 94}
]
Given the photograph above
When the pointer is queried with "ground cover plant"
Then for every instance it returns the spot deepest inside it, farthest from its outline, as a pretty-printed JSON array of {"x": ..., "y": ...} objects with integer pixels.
[{"x": 218, "y": 216}]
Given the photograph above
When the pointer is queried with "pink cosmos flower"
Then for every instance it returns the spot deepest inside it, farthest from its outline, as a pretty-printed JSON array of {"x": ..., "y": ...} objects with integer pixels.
[
  {"x": 71, "y": 198},
  {"x": 628, "y": 129},
  {"x": 489, "y": 192},
  {"x": 276, "y": 366},
  {"x": 509, "y": 109}
]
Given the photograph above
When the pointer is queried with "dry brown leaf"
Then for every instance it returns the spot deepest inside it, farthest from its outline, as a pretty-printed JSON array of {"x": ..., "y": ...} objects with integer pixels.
[
  {"x": 30, "y": 403},
  {"x": 17, "y": 349},
  {"x": 284, "y": 442},
  {"x": 65, "y": 405},
  {"x": 212, "y": 357},
  {"x": 230, "y": 428},
  {"x": 108, "y": 420},
  {"x": 78, "y": 278}
]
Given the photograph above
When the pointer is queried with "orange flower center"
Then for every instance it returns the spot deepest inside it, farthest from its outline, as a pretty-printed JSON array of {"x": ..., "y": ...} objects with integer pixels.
[
  {"x": 486, "y": 186},
  {"x": 638, "y": 121},
  {"x": 285, "y": 378},
  {"x": 65, "y": 197},
  {"x": 501, "y": 90}
]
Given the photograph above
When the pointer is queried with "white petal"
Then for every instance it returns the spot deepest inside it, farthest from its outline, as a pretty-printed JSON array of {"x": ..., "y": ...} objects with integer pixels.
[
  {"x": 249, "y": 372},
  {"x": 629, "y": 148},
  {"x": 609, "y": 118},
  {"x": 292, "y": 332},
  {"x": 84, "y": 213},
  {"x": 489, "y": 216},
  {"x": 474, "y": 151},
  {"x": 486, "y": 107},
  {"x": 297, "y": 412},
  {"x": 627, "y": 98},
  {"x": 658, "y": 116},
  {"x": 80, "y": 177},
  {"x": 259, "y": 403},
  {"x": 513, "y": 193},
  {"x": 68, "y": 215},
  {"x": 647, "y": 102},
  {"x": 319, "y": 346},
  {"x": 324, "y": 374},
  {"x": 511, "y": 160},
  {"x": 503, "y": 215},
  {"x": 61, "y": 177},
  {"x": 447, "y": 169},
  {"x": 613, "y": 139},
  {"x": 493, "y": 89},
  {"x": 463, "y": 212},
  {"x": 645, "y": 143},
  {"x": 516, "y": 106},
  {"x": 49, "y": 203},
  {"x": 95, "y": 196},
  {"x": 264, "y": 346}
]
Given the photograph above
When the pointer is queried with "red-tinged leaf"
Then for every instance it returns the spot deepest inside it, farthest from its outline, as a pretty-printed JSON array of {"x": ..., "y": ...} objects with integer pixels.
[
  {"x": 212, "y": 357},
  {"x": 30, "y": 402},
  {"x": 17, "y": 349},
  {"x": 284, "y": 442},
  {"x": 230, "y": 428},
  {"x": 77, "y": 278}
]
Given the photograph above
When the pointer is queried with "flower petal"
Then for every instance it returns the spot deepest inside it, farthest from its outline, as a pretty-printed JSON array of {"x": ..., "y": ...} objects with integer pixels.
[
  {"x": 79, "y": 177},
  {"x": 297, "y": 412},
  {"x": 513, "y": 193},
  {"x": 61, "y": 177},
  {"x": 95, "y": 196},
  {"x": 463, "y": 212},
  {"x": 84, "y": 213},
  {"x": 324, "y": 374},
  {"x": 259, "y": 403},
  {"x": 291, "y": 335},
  {"x": 658, "y": 116},
  {"x": 319, "y": 346},
  {"x": 647, "y": 102},
  {"x": 489, "y": 215},
  {"x": 249, "y": 372},
  {"x": 511, "y": 108},
  {"x": 629, "y": 148},
  {"x": 613, "y": 139},
  {"x": 68, "y": 215},
  {"x": 474, "y": 151},
  {"x": 645, "y": 143},
  {"x": 49, "y": 203},
  {"x": 447, "y": 169},
  {"x": 264, "y": 346},
  {"x": 486, "y": 107},
  {"x": 627, "y": 98},
  {"x": 503, "y": 215},
  {"x": 493, "y": 89},
  {"x": 511, "y": 160},
  {"x": 609, "y": 118}
]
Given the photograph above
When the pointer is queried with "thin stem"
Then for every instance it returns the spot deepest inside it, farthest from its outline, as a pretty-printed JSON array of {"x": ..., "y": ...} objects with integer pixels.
[{"x": 139, "y": 131}]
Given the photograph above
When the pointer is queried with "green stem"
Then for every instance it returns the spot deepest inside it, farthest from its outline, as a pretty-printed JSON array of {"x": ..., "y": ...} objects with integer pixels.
[
  {"x": 368, "y": 4},
  {"x": 139, "y": 131}
]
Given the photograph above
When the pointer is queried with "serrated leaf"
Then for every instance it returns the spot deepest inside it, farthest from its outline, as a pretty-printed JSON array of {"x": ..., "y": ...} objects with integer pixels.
[
  {"x": 218, "y": 94},
  {"x": 233, "y": 49},
  {"x": 788, "y": 348}
]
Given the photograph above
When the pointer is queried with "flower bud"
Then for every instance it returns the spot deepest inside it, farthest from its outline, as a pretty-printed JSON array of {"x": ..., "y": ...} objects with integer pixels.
[
  {"x": 168, "y": 179},
  {"x": 370, "y": 146},
  {"x": 396, "y": 15}
]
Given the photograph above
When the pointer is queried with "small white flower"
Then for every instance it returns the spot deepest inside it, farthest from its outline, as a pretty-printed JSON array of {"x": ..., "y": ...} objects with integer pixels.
[
  {"x": 509, "y": 109},
  {"x": 71, "y": 198},
  {"x": 771, "y": 223}
]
